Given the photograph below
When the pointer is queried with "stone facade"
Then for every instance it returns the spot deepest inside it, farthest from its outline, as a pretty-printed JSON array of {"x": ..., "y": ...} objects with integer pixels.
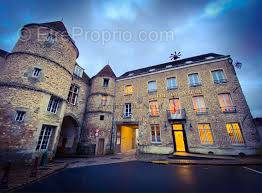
[{"x": 41, "y": 79}]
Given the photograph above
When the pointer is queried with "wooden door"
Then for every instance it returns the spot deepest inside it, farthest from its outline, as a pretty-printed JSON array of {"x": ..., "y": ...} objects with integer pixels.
[
  {"x": 126, "y": 138},
  {"x": 100, "y": 148},
  {"x": 179, "y": 138}
]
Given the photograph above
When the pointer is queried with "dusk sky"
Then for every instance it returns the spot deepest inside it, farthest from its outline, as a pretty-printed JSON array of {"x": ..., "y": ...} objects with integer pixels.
[{"x": 229, "y": 27}]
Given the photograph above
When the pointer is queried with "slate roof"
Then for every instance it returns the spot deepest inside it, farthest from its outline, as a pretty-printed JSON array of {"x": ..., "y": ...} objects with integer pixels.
[
  {"x": 177, "y": 63},
  {"x": 57, "y": 26},
  {"x": 106, "y": 71},
  {"x": 3, "y": 53}
]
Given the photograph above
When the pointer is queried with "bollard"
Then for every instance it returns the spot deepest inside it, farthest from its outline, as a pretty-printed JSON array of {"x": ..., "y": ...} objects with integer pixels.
[
  {"x": 35, "y": 168},
  {"x": 4, "y": 180}
]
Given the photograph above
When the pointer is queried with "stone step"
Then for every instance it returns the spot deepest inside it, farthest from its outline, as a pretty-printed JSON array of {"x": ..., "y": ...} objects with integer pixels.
[{"x": 185, "y": 155}]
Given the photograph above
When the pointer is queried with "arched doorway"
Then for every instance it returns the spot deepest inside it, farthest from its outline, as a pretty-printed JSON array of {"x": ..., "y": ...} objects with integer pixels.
[{"x": 68, "y": 138}]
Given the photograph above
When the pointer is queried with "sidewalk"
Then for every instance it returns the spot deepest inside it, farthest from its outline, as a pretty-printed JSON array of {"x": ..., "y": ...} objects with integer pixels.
[{"x": 20, "y": 176}]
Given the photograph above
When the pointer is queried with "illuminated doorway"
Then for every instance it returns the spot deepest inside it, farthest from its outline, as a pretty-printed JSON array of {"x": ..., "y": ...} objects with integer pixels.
[
  {"x": 179, "y": 138},
  {"x": 126, "y": 138}
]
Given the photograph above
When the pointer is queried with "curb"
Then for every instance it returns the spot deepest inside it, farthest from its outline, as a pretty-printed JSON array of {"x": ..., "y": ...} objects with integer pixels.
[
  {"x": 204, "y": 163},
  {"x": 36, "y": 180}
]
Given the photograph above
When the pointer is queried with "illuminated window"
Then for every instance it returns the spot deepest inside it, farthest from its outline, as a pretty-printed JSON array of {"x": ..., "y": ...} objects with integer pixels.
[
  {"x": 20, "y": 115},
  {"x": 103, "y": 100},
  {"x": 53, "y": 104},
  {"x": 226, "y": 103},
  {"x": 174, "y": 106},
  {"x": 194, "y": 80},
  {"x": 155, "y": 133},
  {"x": 44, "y": 137},
  {"x": 153, "y": 107},
  {"x": 199, "y": 105},
  {"x": 171, "y": 83},
  {"x": 129, "y": 90},
  {"x": 152, "y": 86},
  {"x": 235, "y": 134},
  {"x": 218, "y": 76},
  {"x": 205, "y": 134},
  {"x": 73, "y": 94}
]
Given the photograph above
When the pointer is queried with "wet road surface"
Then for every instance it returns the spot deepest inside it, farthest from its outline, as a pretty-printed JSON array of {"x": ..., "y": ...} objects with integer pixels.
[{"x": 135, "y": 176}]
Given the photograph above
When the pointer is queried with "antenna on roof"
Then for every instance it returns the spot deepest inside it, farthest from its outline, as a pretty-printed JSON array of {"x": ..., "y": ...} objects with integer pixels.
[
  {"x": 62, "y": 19},
  {"x": 175, "y": 56}
]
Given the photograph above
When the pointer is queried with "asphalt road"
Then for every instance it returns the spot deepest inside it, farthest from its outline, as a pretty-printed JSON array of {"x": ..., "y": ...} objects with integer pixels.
[{"x": 131, "y": 177}]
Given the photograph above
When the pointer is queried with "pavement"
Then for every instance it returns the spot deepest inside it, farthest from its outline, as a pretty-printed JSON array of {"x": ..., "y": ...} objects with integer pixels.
[
  {"x": 20, "y": 177},
  {"x": 142, "y": 177}
]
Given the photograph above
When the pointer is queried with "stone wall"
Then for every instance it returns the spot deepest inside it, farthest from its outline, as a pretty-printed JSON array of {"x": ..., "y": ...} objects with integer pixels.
[{"x": 140, "y": 111}]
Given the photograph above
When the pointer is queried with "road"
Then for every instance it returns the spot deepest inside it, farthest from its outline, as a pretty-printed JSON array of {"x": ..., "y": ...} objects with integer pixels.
[{"x": 135, "y": 176}]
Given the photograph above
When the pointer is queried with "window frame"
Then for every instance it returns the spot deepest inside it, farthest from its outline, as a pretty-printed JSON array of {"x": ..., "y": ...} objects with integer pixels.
[
  {"x": 219, "y": 81},
  {"x": 173, "y": 88},
  {"x": 18, "y": 115},
  {"x": 227, "y": 108},
  {"x": 78, "y": 71},
  {"x": 151, "y": 91},
  {"x": 101, "y": 117},
  {"x": 54, "y": 100},
  {"x": 104, "y": 99},
  {"x": 128, "y": 111},
  {"x": 210, "y": 130},
  {"x": 199, "y": 111},
  {"x": 104, "y": 80},
  {"x": 42, "y": 137},
  {"x": 72, "y": 93},
  {"x": 126, "y": 93},
  {"x": 199, "y": 80},
  {"x": 241, "y": 132},
  {"x": 155, "y": 132},
  {"x": 36, "y": 71}
]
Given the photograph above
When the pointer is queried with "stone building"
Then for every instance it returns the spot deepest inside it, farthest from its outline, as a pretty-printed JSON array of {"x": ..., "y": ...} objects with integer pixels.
[{"x": 49, "y": 104}]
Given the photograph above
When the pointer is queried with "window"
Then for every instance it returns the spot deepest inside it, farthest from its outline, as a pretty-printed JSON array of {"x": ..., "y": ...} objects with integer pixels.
[
  {"x": 226, "y": 103},
  {"x": 128, "y": 90},
  {"x": 235, "y": 134},
  {"x": 78, "y": 71},
  {"x": 44, "y": 137},
  {"x": 152, "y": 70},
  {"x": 152, "y": 86},
  {"x": 199, "y": 105},
  {"x": 205, "y": 134},
  {"x": 169, "y": 66},
  {"x": 218, "y": 76},
  {"x": 53, "y": 104},
  {"x": 171, "y": 83},
  {"x": 189, "y": 62},
  {"x": 51, "y": 39},
  {"x": 105, "y": 82},
  {"x": 174, "y": 105},
  {"x": 153, "y": 106},
  {"x": 104, "y": 100},
  {"x": 102, "y": 117},
  {"x": 194, "y": 80},
  {"x": 36, "y": 72},
  {"x": 73, "y": 94},
  {"x": 130, "y": 74},
  {"x": 20, "y": 115},
  {"x": 128, "y": 110},
  {"x": 155, "y": 133}
]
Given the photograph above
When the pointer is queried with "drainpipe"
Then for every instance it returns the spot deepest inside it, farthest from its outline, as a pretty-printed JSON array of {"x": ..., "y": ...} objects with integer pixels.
[{"x": 113, "y": 118}]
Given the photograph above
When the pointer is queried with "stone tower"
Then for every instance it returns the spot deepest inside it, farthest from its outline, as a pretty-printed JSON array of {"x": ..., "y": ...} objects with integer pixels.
[
  {"x": 34, "y": 85},
  {"x": 100, "y": 105}
]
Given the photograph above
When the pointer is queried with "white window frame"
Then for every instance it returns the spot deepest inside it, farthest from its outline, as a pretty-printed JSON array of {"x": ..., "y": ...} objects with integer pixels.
[
  {"x": 44, "y": 137},
  {"x": 53, "y": 104},
  {"x": 195, "y": 83},
  {"x": 155, "y": 141},
  {"x": 20, "y": 116},
  {"x": 104, "y": 80},
  {"x": 167, "y": 86},
  {"x": 219, "y": 81},
  {"x": 128, "y": 110},
  {"x": 78, "y": 71},
  {"x": 148, "y": 88},
  {"x": 73, "y": 95}
]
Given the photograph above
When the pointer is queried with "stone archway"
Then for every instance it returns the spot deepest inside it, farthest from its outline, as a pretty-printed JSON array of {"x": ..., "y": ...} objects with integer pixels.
[{"x": 69, "y": 135}]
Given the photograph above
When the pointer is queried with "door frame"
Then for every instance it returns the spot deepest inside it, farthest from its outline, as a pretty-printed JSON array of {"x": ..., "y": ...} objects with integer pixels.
[{"x": 184, "y": 137}]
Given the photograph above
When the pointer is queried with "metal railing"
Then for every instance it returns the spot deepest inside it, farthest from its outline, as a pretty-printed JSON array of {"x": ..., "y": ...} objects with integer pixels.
[
  {"x": 178, "y": 114},
  {"x": 229, "y": 109},
  {"x": 201, "y": 111},
  {"x": 220, "y": 81},
  {"x": 195, "y": 84}
]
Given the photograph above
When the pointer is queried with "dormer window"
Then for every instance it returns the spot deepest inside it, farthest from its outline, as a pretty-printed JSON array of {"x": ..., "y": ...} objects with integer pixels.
[
  {"x": 36, "y": 72},
  {"x": 51, "y": 39},
  {"x": 168, "y": 66},
  {"x": 105, "y": 82},
  {"x": 130, "y": 74},
  {"x": 78, "y": 71},
  {"x": 152, "y": 70},
  {"x": 210, "y": 57},
  {"x": 189, "y": 62}
]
